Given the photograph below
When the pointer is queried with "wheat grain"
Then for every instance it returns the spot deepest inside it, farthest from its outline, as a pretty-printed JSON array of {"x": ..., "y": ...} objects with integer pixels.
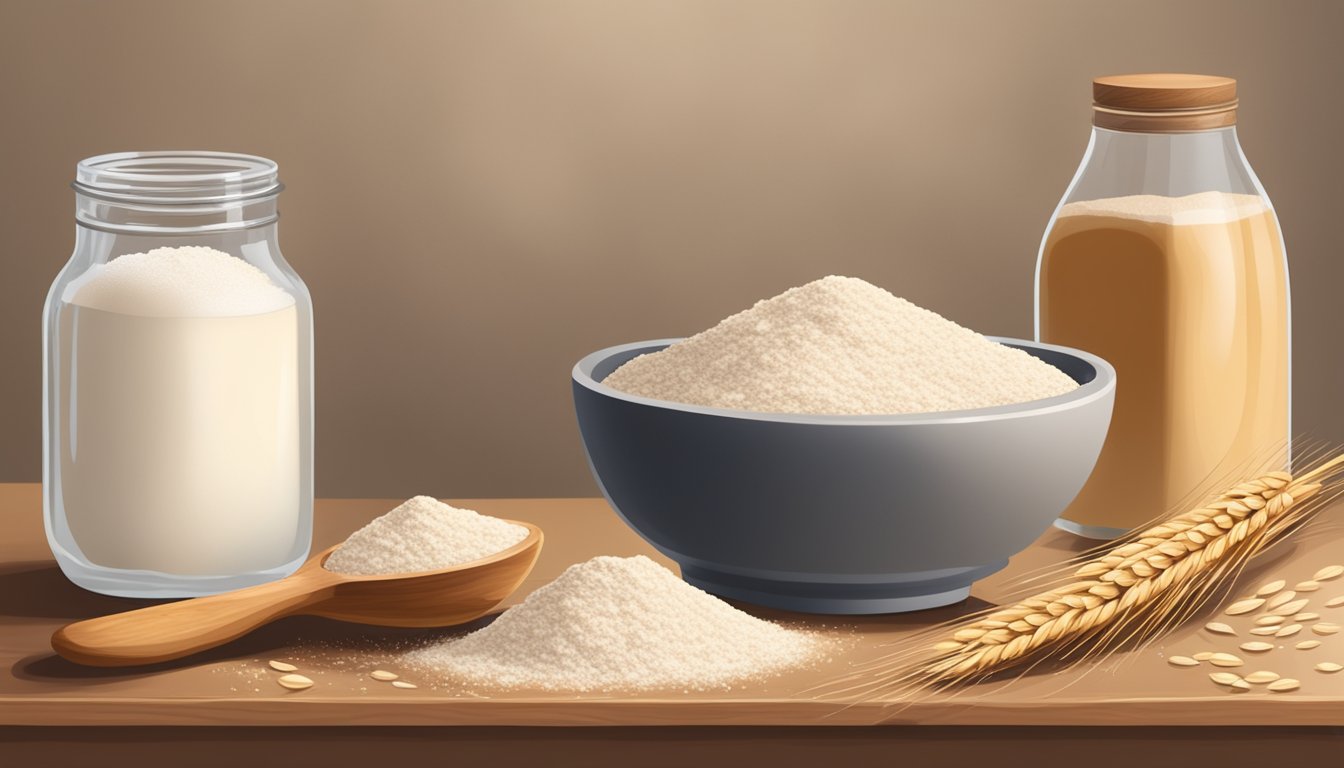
[
  {"x": 1244, "y": 606},
  {"x": 1203, "y": 656},
  {"x": 282, "y": 666},
  {"x": 1325, "y": 628},
  {"x": 1263, "y": 676},
  {"x": 1328, "y": 667},
  {"x": 1280, "y": 599},
  {"x": 1265, "y": 631},
  {"x": 1307, "y": 645},
  {"x": 1310, "y": 585},
  {"x": 1283, "y": 684},
  {"x": 1266, "y": 621},
  {"x": 1255, "y": 646},
  {"x": 1219, "y": 628},
  {"x": 1288, "y": 631},
  {"x": 1150, "y": 580},
  {"x": 1224, "y": 678},
  {"x": 1182, "y": 661},
  {"x": 1241, "y": 686},
  {"x": 1288, "y": 609},
  {"x": 1335, "y": 602},
  {"x": 294, "y": 682},
  {"x": 1329, "y": 572},
  {"x": 1306, "y": 617},
  {"x": 1270, "y": 588}
]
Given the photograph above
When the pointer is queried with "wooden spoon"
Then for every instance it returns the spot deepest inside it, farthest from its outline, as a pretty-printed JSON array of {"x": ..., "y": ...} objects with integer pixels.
[{"x": 427, "y": 599}]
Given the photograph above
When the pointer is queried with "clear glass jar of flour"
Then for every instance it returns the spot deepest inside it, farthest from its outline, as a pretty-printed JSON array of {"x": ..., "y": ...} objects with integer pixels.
[
  {"x": 1165, "y": 258},
  {"x": 178, "y": 381}
]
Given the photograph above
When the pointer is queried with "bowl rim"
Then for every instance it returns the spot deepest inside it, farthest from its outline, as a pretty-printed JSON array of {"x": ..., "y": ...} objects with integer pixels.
[{"x": 1101, "y": 386}]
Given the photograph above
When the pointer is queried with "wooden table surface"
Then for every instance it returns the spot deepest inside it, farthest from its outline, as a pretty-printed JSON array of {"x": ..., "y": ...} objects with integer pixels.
[{"x": 232, "y": 686}]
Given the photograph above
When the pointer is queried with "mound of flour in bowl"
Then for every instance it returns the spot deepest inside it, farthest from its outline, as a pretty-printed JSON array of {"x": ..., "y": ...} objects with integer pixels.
[
  {"x": 839, "y": 345},
  {"x": 616, "y": 623},
  {"x": 422, "y": 534}
]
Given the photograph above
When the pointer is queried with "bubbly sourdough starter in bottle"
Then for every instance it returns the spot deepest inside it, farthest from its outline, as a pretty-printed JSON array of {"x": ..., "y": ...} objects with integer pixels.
[{"x": 1187, "y": 297}]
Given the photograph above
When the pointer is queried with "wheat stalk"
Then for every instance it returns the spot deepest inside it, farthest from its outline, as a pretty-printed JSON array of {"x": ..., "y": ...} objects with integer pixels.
[{"x": 1150, "y": 581}]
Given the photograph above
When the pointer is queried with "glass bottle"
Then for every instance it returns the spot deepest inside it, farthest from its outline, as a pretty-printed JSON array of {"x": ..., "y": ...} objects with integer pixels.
[
  {"x": 1165, "y": 258},
  {"x": 178, "y": 384}
]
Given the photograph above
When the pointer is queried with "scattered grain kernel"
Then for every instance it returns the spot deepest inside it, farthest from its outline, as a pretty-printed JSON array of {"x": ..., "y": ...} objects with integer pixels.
[
  {"x": 1265, "y": 631},
  {"x": 1270, "y": 588},
  {"x": 1255, "y": 646},
  {"x": 403, "y": 684},
  {"x": 1288, "y": 631},
  {"x": 1280, "y": 599},
  {"x": 282, "y": 666},
  {"x": 1310, "y": 585},
  {"x": 1219, "y": 628},
  {"x": 1328, "y": 667},
  {"x": 1329, "y": 572},
  {"x": 1263, "y": 676},
  {"x": 1307, "y": 645},
  {"x": 1244, "y": 606},
  {"x": 1225, "y": 660},
  {"x": 1288, "y": 609},
  {"x": 1265, "y": 621},
  {"x": 1335, "y": 602},
  {"x": 1203, "y": 656},
  {"x": 1182, "y": 661},
  {"x": 294, "y": 682},
  {"x": 1224, "y": 678},
  {"x": 1284, "y": 684},
  {"x": 383, "y": 675},
  {"x": 1241, "y": 686},
  {"x": 1325, "y": 628},
  {"x": 1306, "y": 617}
]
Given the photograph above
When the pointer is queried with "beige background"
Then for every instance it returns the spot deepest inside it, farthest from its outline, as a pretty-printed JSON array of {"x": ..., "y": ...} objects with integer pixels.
[{"x": 480, "y": 193}]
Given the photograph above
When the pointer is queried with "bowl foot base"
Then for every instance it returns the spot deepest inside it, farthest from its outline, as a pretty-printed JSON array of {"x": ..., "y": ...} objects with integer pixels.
[
  {"x": 946, "y": 588},
  {"x": 1097, "y": 532}
]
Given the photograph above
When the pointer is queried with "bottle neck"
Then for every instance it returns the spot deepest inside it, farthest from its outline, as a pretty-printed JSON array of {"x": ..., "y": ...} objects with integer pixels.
[
  {"x": 258, "y": 244},
  {"x": 1121, "y": 163}
]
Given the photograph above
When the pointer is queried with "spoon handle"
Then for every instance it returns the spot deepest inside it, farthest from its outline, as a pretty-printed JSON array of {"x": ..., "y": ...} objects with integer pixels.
[{"x": 173, "y": 630}]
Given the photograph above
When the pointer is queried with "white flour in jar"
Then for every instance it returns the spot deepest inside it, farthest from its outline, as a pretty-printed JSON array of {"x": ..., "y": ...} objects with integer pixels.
[
  {"x": 422, "y": 534},
  {"x": 615, "y": 623},
  {"x": 840, "y": 345},
  {"x": 179, "y": 402}
]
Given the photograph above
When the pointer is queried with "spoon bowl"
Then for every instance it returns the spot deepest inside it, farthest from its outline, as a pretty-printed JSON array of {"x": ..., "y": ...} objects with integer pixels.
[{"x": 439, "y": 598}]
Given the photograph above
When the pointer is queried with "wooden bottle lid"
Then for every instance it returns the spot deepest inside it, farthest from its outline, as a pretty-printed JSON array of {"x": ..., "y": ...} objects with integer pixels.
[{"x": 1164, "y": 103}]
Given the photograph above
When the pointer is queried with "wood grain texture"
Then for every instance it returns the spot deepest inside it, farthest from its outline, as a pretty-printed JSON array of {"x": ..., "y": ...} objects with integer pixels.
[
  {"x": 1164, "y": 91},
  {"x": 1164, "y": 103},
  {"x": 441, "y": 598},
  {"x": 231, "y": 685}
]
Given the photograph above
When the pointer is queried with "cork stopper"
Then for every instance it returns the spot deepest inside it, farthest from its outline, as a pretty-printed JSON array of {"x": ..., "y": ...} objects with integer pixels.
[{"x": 1164, "y": 103}]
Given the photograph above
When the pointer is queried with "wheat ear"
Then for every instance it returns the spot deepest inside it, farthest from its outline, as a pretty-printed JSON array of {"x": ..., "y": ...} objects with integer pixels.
[{"x": 1166, "y": 563}]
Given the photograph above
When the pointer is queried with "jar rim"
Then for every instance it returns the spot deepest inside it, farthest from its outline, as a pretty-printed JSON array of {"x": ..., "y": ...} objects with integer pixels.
[{"x": 177, "y": 177}]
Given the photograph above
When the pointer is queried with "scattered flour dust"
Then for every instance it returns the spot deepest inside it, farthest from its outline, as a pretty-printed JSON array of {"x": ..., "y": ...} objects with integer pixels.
[
  {"x": 615, "y": 623},
  {"x": 840, "y": 345},
  {"x": 423, "y": 534}
]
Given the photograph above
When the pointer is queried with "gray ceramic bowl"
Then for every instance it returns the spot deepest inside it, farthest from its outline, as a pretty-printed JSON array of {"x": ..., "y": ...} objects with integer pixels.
[{"x": 841, "y": 514}]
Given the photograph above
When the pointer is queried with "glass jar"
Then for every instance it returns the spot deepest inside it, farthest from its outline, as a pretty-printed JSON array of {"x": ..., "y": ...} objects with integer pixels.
[
  {"x": 178, "y": 381},
  {"x": 1165, "y": 258}
]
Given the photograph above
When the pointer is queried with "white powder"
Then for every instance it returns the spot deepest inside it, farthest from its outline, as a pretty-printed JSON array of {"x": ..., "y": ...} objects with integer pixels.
[
  {"x": 187, "y": 281},
  {"x": 618, "y": 624},
  {"x": 840, "y": 345},
  {"x": 1200, "y": 208},
  {"x": 180, "y": 402},
  {"x": 423, "y": 534}
]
